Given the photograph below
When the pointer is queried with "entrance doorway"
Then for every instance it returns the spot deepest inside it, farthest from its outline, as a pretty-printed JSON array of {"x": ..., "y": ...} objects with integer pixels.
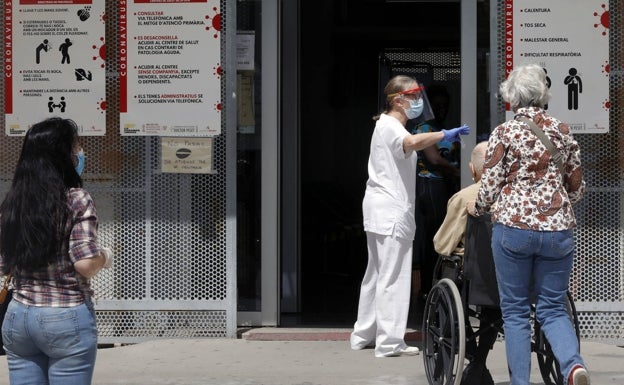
[{"x": 341, "y": 43}]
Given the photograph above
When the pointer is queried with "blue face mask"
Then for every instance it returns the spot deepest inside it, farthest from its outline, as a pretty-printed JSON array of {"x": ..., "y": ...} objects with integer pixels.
[
  {"x": 415, "y": 108},
  {"x": 80, "y": 156}
]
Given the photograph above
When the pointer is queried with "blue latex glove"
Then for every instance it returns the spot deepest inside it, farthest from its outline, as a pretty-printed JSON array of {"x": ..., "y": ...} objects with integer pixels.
[{"x": 453, "y": 134}]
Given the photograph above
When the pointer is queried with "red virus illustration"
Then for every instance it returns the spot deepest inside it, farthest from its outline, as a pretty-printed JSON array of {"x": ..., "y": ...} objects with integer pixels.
[
  {"x": 218, "y": 71},
  {"x": 218, "y": 106},
  {"x": 215, "y": 22},
  {"x": 101, "y": 105},
  {"x": 606, "y": 68},
  {"x": 101, "y": 52},
  {"x": 604, "y": 19}
]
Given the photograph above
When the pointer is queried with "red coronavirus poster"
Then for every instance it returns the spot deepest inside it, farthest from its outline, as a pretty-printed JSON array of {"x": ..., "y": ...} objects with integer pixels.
[
  {"x": 54, "y": 64},
  {"x": 170, "y": 74}
]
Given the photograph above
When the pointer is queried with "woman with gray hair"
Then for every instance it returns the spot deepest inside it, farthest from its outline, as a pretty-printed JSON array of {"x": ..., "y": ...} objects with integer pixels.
[{"x": 530, "y": 192}]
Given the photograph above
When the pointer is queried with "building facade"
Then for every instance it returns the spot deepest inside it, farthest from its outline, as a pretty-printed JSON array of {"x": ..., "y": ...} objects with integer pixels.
[{"x": 274, "y": 236}]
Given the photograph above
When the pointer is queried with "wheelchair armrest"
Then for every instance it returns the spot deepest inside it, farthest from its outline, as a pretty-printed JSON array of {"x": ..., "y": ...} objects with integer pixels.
[
  {"x": 452, "y": 258},
  {"x": 449, "y": 266}
]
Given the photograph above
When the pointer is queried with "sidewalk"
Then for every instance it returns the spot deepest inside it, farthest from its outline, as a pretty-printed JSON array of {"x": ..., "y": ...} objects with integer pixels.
[{"x": 298, "y": 361}]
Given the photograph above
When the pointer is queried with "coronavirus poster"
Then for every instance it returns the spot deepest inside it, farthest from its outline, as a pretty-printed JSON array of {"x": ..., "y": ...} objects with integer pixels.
[
  {"x": 570, "y": 40},
  {"x": 170, "y": 74},
  {"x": 54, "y": 64}
]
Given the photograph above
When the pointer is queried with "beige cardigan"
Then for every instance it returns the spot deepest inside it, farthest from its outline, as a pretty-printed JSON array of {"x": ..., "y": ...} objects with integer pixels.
[{"x": 450, "y": 238}]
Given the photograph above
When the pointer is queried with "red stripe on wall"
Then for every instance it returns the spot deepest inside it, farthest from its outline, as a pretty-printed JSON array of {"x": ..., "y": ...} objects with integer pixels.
[
  {"x": 509, "y": 48},
  {"x": 54, "y": 2},
  {"x": 123, "y": 56},
  {"x": 8, "y": 57}
]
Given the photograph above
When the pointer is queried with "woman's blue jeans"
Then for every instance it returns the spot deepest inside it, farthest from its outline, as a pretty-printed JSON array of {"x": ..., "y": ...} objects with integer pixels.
[
  {"x": 543, "y": 259},
  {"x": 50, "y": 345}
]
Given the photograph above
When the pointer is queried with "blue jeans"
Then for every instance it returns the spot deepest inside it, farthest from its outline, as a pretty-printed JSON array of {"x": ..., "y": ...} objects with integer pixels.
[
  {"x": 543, "y": 258},
  {"x": 50, "y": 345}
]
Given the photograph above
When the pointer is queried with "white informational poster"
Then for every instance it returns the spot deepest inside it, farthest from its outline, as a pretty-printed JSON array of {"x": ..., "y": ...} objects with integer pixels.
[
  {"x": 170, "y": 71},
  {"x": 54, "y": 64},
  {"x": 245, "y": 51},
  {"x": 570, "y": 40}
]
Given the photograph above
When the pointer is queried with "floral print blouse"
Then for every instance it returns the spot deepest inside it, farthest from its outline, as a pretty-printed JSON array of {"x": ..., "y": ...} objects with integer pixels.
[{"x": 521, "y": 184}]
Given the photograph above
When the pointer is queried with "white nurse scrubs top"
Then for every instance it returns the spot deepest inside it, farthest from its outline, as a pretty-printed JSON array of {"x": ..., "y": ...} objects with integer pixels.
[{"x": 388, "y": 205}]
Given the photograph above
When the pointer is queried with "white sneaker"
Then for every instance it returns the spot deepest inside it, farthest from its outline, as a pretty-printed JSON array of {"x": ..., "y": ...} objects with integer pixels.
[
  {"x": 408, "y": 351},
  {"x": 579, "y": 376},
  {"x": 362, "y": 346}
]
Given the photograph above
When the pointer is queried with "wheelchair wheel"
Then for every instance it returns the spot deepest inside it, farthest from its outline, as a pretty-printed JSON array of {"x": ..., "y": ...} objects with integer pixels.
[
  {"x": 548, "y": 365},
  {"x": 444, "y": 335}
]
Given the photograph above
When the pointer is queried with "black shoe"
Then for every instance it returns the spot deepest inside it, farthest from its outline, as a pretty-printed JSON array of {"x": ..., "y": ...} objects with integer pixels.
[
  {"x": 472, "y": 374},
  {"x": 486, "y": 377}
]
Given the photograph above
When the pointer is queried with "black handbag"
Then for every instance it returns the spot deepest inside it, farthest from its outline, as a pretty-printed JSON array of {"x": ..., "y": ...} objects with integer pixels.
[{"x": 6, "y": 294}]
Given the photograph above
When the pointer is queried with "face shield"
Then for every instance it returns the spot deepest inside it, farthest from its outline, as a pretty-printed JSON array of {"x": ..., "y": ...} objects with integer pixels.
[{"x": 414, "y": 94}]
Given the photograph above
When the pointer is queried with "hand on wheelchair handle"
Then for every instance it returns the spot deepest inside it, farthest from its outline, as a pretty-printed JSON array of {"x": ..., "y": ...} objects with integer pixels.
[{"x": 470, "y": 208}]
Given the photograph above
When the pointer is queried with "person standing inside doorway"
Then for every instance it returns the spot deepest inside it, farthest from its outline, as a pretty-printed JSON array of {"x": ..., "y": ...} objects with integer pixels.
[
  {"x": 388, "y": 209},
  {"x": 438, "y": 179}
]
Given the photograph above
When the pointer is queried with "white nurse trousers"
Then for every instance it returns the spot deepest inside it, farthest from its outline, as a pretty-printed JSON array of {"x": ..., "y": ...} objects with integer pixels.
[{"x": 384, "y": 296}]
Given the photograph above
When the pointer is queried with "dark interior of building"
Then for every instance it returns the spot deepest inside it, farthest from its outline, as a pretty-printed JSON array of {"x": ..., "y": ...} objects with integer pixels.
[
  {"x": 346, "y": 50},
  {"x": 341, "y": 44}
]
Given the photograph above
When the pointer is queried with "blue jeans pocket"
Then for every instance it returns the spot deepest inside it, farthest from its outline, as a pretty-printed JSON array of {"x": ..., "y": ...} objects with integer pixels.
[
  {"x": 60, "y": 328},
  {"x": 7, "y": 327},
  {"x": 516, "y": 240},
  {"x": 563, "y": 243}
]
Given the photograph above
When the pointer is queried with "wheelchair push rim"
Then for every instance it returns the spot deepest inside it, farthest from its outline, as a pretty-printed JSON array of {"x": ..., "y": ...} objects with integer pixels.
[{"x": 444, "y": 335}]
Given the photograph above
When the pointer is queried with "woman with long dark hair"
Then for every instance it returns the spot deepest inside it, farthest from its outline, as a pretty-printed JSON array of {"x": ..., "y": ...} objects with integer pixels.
[{"x": 48, "y": 229}]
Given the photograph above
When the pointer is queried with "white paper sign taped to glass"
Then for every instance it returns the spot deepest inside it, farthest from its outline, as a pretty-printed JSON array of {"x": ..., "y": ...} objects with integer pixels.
[
  {"x": 245, "y": 52},
  {"x": 54, "y": 63},
  {"x": 187, "y": 155},
  {"x": 570, "y": 40},
  {"x": 170, "y": 70}
]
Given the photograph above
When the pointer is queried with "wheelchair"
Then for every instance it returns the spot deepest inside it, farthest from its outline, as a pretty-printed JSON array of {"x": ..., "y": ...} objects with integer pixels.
[{"x": 456, "y": 312}]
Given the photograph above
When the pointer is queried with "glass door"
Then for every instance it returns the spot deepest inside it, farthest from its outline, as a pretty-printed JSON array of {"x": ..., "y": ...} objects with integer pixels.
[{"x": 257, "y": 197}]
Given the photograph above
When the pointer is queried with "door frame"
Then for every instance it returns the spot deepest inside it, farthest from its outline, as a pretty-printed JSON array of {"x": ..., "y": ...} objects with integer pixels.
[
  {"x": 280, "y": 200},
  {"x": 270, "y": 197}
]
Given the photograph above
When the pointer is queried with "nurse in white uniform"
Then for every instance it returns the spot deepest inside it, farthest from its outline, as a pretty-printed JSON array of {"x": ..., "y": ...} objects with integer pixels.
[{"x": 389, "y": 223}]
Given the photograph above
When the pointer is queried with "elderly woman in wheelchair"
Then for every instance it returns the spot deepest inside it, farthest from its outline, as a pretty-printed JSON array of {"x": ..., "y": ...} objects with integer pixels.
[{"x": 462, "y": 317}]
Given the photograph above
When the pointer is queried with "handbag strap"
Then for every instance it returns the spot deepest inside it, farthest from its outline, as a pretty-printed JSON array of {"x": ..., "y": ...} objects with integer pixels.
[
  {"x": 5, "y": 287},
  {"x": 554, "y": 152}
]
